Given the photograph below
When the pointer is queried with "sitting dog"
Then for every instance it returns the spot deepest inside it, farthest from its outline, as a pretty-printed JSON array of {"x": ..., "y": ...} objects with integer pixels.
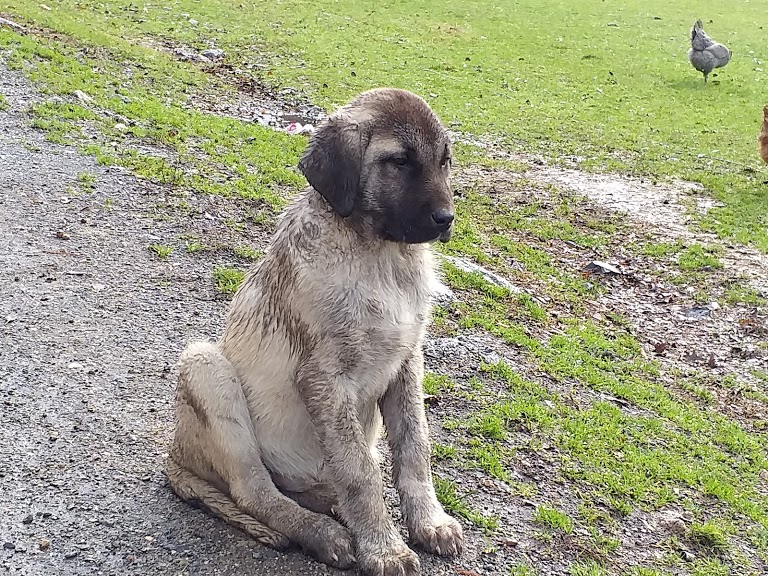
[{"x": 276, "y": 424}]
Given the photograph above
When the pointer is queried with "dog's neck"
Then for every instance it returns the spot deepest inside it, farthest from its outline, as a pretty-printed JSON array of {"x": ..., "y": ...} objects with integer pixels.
[{"x": 362, "y": 228}]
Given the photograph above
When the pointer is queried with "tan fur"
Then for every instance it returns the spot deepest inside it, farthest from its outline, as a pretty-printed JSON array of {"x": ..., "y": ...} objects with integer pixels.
[
  {"x": 763, "y": 138},
  {"x": 277, "y": 422}
]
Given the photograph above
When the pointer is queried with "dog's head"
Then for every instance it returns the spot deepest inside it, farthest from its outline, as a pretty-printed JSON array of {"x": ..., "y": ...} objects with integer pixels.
[{"x": 382, "y": 162}]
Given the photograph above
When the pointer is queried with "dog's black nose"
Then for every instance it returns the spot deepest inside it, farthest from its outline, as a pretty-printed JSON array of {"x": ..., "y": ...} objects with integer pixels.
[{"x": 442, "y": 218}]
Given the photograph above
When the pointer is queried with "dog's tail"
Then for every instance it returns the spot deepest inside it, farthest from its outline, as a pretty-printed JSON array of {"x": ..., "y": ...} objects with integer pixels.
[{"x": 195, "y": 490}]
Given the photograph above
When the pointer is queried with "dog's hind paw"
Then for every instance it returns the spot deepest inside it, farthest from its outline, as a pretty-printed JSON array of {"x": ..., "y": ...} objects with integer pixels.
[
  {"x": 398, "y": 562},
  {"x": 330, "y": 543}
]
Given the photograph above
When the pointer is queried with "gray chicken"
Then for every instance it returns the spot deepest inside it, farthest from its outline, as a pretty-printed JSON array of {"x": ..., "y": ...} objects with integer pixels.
[{"x": 705, "y": 54}]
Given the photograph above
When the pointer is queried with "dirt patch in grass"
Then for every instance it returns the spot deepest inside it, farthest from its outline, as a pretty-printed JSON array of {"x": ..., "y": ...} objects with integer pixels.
[
  {"x": 703, "y": 316},
  {"x": 239, "y": 94},
  {"x": 666, "y": 207},
  {"x": 663, "y": 205}
]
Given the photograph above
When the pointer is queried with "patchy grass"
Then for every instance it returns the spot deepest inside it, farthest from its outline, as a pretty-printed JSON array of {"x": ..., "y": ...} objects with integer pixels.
[
  {"x": 640, "y": 571},
  {"x": 443, "y": 451},
  {"x": 588, "y": 568},
  {"x": 228, "y": 280},
  {"x": 203, "y": 152},
  {"x": 3, "y": 103},
  {"x": 436, "y": 383},
  {"x": 522, "y": 570},
  {"x": 709, "y": 567},
  {"x": 160, "y": 250},
  {"x": 744, "y": 295},
  {"x": 194, "y": 246},
  {"x": 628, "y": 460},
  {"x": 697, "y": 257},
  {"x": 248, "y": 253},
  {"x": 440, "y": 324},
  {"x": 587, "y": 401},
  {"x": 553, "y": 519},
  {"x": 690, "y": 258},
  {"x": 709, "y": 535},
  {"x": 56, "y": 131},
  {"x": 87, "y": 181},
  {"x": 621, "y": 460},
  {"x": 661, "y": 249},
  {"x": 457, "y": 504},
  {"x": 661, "y": 449}
]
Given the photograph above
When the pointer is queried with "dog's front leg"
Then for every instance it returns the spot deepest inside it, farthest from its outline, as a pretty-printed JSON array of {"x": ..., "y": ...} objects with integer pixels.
[
  {"x": 380, "y": 549},
  {"x": 402, "y": 409}
]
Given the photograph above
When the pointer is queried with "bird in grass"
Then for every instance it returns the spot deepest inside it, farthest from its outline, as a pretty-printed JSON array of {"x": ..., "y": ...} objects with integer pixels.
[{"x": 705, "y": 54}]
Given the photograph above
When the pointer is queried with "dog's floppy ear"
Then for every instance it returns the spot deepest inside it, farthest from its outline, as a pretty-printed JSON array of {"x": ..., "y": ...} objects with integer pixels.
[{"x": 332, "y": 163}]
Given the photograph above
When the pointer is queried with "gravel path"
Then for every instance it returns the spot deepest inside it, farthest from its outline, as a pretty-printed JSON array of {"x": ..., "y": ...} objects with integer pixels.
[{"x": 91, "y": 324}]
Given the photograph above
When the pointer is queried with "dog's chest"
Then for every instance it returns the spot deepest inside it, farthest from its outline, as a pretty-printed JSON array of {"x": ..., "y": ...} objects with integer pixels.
[
  {"x": 386, "y": 308},
  {"x": 391, "y": 317},
  {"x": 385, "y": 332}
]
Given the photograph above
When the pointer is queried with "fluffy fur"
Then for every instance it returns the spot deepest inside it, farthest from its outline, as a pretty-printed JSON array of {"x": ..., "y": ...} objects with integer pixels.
[{"x": 277, "y": 422}]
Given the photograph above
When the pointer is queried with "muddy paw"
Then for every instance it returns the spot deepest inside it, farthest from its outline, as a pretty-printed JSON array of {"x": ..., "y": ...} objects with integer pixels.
[
  {"x": 402, "y": 561},
  {"x": 330, "y": 543},
  {"x": 440, "y": 535}
]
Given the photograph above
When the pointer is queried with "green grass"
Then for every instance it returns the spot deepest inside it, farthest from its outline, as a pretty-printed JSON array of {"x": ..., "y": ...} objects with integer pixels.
[
  {"x": 3, "y": 103},
  {"x": 627, "y": 460},
  {"x": 491, "y": 458},
  {"x": 640, "y": 571},
  {"x": 588, "y": 568},
  {"x": 741, "y": 294},
  {"x": 228, "y": 280},
  {"x": 553, "y": 519},
  {"x": 248, "y": 252},
  {"x": 691, "y": 259},
  {"x": 661, "y": 249},
  {"x": 435, "y": 383},
  {"x": 160, "y": 250},
  {"x": 522, "y": 570},
  {"x": 709, "y": 567},
  {"x": 621, "y": 97},
  {"x": 87, "y": 181},
  {"x": 698, "y": 391},
  {"x": 194, "y": 246},
  {"x": 56, "y": 131},
  {"x": 455, "y": 503},
  {"x": 696, "y": 257},
  {"x": 443, "y": 451},
  {"x": 209, "y": 154},
  {"x": 709, "y": 534}
]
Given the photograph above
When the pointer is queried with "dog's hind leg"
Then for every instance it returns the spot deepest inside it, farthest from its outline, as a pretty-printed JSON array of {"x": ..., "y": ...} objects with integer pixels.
[
  {"x": 216, "y": 444},
  {"x": 318, "y": 499},
  {"x": 194, "y": 489}
]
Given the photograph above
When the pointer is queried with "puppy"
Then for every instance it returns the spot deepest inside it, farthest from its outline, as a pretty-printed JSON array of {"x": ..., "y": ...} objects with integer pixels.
[{"x": 276, "y": 423}]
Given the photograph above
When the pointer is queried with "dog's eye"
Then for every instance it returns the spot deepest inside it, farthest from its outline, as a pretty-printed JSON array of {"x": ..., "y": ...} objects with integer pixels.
[{"x": 399, "y": 161}]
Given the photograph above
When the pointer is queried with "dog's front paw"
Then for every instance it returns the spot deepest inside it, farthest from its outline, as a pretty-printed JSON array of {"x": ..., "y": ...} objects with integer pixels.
[
  {"x": 441, "y": 534},
  {"x": 330, "y": 543},
  {"x": 397, "y": 561}
]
